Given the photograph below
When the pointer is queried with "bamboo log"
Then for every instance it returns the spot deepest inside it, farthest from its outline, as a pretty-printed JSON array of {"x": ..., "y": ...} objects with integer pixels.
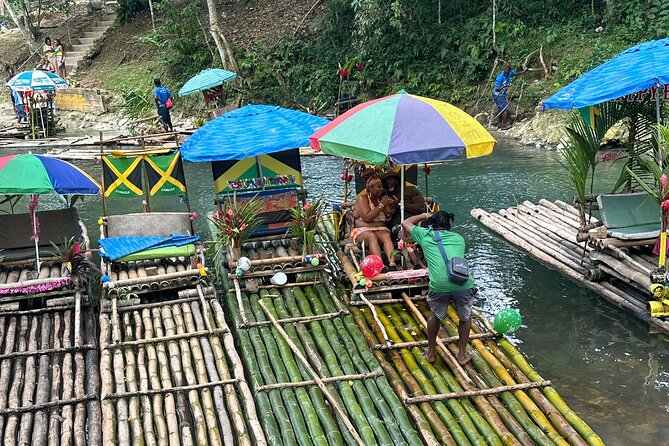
[
  {"x": 40, "y": 421},
  {"x": 130, "y": 370},
  {"x": 108, "y": 418},
  {"x": 54, "y": 420},
  {"x": 201, "y": 403},
  {"x": 66, "y": 436},
  {"x": 6, "y": 365},
  {"x": 27, "y": 389},
  {"x": 124, "y": 282},
  {"x": 166, "y": 426},
  {"x": 227, "y": 418},
  {"x": 315, "y": 376},
  {"x": 164, "y": 316},
  {"x": 480, "y": 392},
  {"x": 122, "y": 411},
  {"x": 159, "y": 339}
]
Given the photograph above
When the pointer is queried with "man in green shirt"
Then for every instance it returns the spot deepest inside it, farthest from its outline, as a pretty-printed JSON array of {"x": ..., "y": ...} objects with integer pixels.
[{"x": 442, "y": 291}]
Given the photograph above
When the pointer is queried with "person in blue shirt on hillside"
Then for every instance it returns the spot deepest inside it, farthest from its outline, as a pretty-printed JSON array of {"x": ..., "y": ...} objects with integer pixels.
[
  {"x": 163, "y": 99},
  {"x": 435, "y": 231},
  {"x": 502, "y": 83}
]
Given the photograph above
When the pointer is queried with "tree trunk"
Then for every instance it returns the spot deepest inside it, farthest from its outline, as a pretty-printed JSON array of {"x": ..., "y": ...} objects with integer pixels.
[
  {"x": 27, "y": 35},
  {"x": 224, "y": 51}
]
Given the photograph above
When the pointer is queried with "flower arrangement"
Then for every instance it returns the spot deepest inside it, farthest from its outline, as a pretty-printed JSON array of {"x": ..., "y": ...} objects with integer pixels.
[
  {"x": 235, "y": 222},
  {"x": 305, "y": 220},
  {"x": 74, "y": 261}
]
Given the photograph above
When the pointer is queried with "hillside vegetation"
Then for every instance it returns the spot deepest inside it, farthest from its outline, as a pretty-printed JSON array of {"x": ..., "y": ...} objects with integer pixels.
[{"x": 296, "y": 52}]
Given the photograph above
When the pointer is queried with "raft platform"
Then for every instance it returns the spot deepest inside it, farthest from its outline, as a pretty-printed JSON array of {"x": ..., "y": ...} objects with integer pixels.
[{"x": 548, "y": 231}]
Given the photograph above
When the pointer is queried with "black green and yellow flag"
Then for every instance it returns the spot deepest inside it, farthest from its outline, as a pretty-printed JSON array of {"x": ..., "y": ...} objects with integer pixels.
[
  {"x": 165, "y": 174},
  {"x": 591, "y": 115},
  {"x": 122, "y": 176}
]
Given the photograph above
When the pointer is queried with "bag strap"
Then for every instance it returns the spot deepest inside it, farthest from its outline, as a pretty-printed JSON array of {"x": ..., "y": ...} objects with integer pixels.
[{"x": 437, "y": 238}]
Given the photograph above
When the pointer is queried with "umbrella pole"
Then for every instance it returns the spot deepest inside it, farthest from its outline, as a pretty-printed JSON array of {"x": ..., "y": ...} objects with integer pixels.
[
  {"x": 36, "y": 239},
  {"x": 402, "y": 193},
  {"x": 659, "y": 121}
]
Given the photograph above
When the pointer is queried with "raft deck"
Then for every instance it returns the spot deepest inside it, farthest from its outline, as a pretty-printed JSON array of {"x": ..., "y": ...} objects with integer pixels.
[{"x": 548, "y": 232}]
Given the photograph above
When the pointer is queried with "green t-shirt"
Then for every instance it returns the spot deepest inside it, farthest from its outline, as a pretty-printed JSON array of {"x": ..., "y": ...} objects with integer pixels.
[{"x": 454, "y": 245}]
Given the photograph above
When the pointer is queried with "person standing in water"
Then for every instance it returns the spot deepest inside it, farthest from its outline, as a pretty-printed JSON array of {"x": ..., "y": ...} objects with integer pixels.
[
  {"x": 163, "y": 98},
  {"x": 436, "y": 231}
]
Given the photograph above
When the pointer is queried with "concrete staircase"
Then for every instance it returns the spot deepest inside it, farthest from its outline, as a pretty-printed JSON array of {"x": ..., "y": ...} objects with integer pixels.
[{"x": 83, "y": 44}]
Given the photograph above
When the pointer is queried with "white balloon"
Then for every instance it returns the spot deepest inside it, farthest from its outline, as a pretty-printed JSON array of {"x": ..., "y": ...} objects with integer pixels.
[{"x": 244, "y": 263}]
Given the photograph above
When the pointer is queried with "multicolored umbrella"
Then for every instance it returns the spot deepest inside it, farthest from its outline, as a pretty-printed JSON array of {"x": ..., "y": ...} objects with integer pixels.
[
  {"x": 405, "y": 129},
  {"x": 35, "y": 174},
  {"x": 37, "y": 80},
  {"x": 204, "y": 80}
]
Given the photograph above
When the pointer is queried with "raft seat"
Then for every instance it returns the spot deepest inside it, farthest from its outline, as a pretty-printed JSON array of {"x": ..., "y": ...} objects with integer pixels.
[{"x": 632, "y": 216}]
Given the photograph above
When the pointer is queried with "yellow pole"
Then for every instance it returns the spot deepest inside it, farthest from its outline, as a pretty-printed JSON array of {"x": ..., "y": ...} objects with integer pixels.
[{"x": 663, "y": 248}]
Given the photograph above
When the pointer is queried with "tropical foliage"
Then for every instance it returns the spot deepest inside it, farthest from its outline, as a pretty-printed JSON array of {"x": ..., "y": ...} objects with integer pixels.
[
  {"x": 75, "y": 261},
  {"x": 305, "y": 221},
  {"x": 237, "y": 220}
]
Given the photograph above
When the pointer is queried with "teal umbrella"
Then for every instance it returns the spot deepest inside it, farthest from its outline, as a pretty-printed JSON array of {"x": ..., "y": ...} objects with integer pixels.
[{"x": 209, "y": 78}]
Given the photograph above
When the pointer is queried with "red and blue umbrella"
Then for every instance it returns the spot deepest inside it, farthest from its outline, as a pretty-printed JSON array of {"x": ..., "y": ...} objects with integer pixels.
[
  {"x": 36, "y": 174},
  {"x": 405, "y": 129}
]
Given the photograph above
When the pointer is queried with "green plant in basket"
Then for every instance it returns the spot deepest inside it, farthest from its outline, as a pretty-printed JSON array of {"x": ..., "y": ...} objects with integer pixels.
[
  {"x": 305, "y": 221},
  {"x": 74, "y": 261},
  {"x": 235, "y": 223}
]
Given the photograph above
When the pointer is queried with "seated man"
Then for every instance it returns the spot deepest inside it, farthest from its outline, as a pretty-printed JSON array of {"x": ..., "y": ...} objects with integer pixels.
[{"x": 414, "y": 203}]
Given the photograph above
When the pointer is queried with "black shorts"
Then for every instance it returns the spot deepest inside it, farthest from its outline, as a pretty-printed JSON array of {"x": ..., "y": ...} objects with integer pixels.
[
  {"x": 164, "y": 114},
  {"x": 461, "y": 299}
]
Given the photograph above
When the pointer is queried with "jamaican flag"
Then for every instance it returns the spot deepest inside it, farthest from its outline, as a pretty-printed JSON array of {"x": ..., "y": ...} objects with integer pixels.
[
  {"x": 591, "y": 115},
  {"x": 122, "y": 176},
  {"x": 165, "y": 174}
]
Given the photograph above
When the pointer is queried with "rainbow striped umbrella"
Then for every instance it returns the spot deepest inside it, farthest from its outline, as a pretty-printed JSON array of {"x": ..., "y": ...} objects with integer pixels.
[
  {"x": 35, "y": 174},
  {"x": 405, "y": 129}
]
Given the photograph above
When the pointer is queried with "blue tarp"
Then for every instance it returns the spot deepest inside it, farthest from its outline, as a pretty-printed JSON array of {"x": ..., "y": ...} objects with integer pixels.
[
  {"x": 641, "y": 67},
  {"x": 113, "y": 248},
  {"x": 251, "y": 131}
]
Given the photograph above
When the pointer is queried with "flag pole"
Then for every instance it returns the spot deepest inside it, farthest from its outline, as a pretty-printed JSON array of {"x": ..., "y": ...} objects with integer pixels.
[{"x": 102, "y": 176}]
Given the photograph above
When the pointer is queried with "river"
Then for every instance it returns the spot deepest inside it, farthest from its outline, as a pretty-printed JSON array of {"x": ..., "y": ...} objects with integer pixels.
[{"x": 602, "y": 360}]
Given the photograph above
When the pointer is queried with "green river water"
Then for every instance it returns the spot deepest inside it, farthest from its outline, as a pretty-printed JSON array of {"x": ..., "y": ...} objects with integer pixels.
[{"x": 602, "y": 360}]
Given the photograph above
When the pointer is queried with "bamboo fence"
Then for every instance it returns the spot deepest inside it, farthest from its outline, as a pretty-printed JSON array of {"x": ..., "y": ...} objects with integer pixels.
[
  {"x": 548, "y": 231},
  {"x": 174, "y": 376},
  {"x": 314, "y": 378},
  {"x": 49, "y": 386}
]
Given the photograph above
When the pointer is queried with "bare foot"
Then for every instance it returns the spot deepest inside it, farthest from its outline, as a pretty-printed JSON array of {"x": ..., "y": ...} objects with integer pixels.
[
  {"x": 463, "y": 360},
  {"x": 431, "y": 356}
]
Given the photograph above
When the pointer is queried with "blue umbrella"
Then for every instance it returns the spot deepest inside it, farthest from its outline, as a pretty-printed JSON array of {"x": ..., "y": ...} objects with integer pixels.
[
  {"x": 638, "y": 68},
  {"x": 36, "y": 80},
  {"x": 209, "y": 78},
  {"x": 251, "y": 131}
]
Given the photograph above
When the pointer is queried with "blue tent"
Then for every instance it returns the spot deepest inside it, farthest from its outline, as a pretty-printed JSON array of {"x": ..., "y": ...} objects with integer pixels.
[
  {"x": 251, "y": 131},
  {"x": 638, "y": 68}
]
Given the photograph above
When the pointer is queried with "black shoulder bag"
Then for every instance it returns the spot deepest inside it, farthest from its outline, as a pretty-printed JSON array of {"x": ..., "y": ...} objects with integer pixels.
[{"x": 457, "y": 268}]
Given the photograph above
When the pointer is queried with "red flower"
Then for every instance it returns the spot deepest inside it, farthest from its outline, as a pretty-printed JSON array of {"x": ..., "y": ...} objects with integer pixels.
[
  {"x": 427, "y": 169},
  {"x": 358, "y": 66},
  {"x": 244, "y": 226},
  {"x": 307, "y": 205},
  {"x": 345, "y": 72},
  {"x": 230, "y": 212},
  {"x": 665, "y": 206}
]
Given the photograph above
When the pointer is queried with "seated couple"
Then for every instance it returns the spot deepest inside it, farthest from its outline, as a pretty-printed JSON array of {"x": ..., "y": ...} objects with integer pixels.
[{"x": 377, "y": 211}]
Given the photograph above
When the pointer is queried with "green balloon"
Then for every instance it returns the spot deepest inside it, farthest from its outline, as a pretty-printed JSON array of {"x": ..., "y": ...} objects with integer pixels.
[{"x": 507, "y": 320}]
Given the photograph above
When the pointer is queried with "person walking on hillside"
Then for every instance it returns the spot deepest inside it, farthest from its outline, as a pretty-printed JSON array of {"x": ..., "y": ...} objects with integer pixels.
[
  {"x": 502, "y": 83},
  {"x": 163, "y": 98},
  {"x": 440, "y": 244}
]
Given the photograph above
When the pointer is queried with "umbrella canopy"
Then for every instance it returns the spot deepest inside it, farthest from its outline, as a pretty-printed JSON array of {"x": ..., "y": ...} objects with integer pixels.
[
  {"x": 35, "y": 174},
  {"x": 36, "y": 80},
  {"x": 638, "y": 68},
  {"x": 204, "y": 80},
  {"x": 251, "y": 131},
  {"x": 405, "y": 129}
]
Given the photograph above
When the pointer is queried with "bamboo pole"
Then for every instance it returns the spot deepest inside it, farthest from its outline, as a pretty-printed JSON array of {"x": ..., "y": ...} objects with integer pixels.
[
  {"x": 107, "y": 407},
  {"x": 311, "y": 382},
  {"x": 67, "y": 411},
  {"x": 9, "y": 337},
  {"x": 137, "y": 429},
  {"x": 56, "y": 377},
  {"x": 471, "y": 393},
  {"x": 27, "y": 391},
  {"x": 315, "y": 376},
  {"x": 159, "y": 339},
  {"x": 40, "y": 421},
  {"x": 164, "y": 316}
]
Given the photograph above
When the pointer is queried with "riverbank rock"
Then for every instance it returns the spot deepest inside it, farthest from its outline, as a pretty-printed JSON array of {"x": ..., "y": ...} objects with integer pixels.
[{"x": 544, "y": 129}]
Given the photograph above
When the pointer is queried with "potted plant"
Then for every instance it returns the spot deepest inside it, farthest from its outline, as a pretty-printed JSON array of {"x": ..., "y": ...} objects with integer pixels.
[
  {"x": 305, "y": 220},
  {"x": 235, "y": 223}
]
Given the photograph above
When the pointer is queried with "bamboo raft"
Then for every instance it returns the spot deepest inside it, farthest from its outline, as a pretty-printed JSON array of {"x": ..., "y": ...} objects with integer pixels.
[
  {"x": 171, "y": 375},
  {"x": 548, "y": 232},
  {"x": 49, "y": 375}
]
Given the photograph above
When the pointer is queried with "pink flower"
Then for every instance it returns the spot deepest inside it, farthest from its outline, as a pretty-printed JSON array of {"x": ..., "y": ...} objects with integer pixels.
[
  {"x": 358, "y": 66},
  {"x": 663, "y": 182},
  {"x": 665, "y": 205},
  {"x": 230, "y": 214},
  {"x": 307, "y": 205},
  {"x": 76, "y": 249},
  {"x": 244, "y": 226},
  {"x": 400, "y": 245}
]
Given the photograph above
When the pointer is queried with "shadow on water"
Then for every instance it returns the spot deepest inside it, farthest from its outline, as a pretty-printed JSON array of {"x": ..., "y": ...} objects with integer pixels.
[{"x": 601, "y": 359}]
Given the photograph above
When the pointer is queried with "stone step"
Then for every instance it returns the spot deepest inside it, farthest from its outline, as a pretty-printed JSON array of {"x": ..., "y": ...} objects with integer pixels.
[
  {"x": 106, "y": 23},
  {"x": 74, "y": 55},
  {"x": 92, "y": 34},
  {"x": 99, "y": 29},
  {"x": 86, "y": 40},
  {"x": 80, "y": 49}
]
